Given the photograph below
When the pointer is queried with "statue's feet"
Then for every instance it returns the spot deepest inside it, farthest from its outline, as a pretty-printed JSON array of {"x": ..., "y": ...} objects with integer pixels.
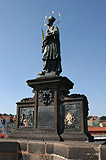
[
  {"x": 41, "y": 73},
  {"x": 47, "y": 73}
]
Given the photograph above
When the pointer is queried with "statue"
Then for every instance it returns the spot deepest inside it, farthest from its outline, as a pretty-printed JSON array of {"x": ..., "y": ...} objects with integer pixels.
[{"x": 51, "y": 49}]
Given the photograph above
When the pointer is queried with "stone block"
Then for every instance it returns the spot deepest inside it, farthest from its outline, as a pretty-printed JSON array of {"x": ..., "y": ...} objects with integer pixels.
[
  {"x": 72, "y": 151},
  {"x": 23, "y": 146},
  {"x": 23, "y": 157},
  {"x": 103, "y": 152},
  {"x": 82, "y": 153},
  {"x": 33, "y": 157},
  {"x": 50, "y": 148},
  {"x": 11, "y": 147},
  {"x": 57, "y": 157},
  {"x": 61, "y": 150},
  {"x": 9, "y": 157},
  {"x": 36, "y": 147},
  {"x": 40, "y": 157}
]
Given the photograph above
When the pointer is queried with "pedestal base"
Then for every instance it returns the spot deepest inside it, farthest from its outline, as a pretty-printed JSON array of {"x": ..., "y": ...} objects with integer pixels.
[
  {"x": 32, "y": 135},
  {"x": 52, "y": 114},
  {"x": 74, "y": 136}
]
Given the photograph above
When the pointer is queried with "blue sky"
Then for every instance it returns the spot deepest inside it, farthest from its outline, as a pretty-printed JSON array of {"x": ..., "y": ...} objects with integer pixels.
[{"x": 83, "y": 48}]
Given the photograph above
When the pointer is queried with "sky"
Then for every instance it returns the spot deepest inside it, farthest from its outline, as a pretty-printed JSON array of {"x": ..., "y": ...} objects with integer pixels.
[{"x": 83, "y": 48}]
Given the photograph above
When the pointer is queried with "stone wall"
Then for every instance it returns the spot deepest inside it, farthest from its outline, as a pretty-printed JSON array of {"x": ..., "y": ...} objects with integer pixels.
[{"x": 36, "y": 150}]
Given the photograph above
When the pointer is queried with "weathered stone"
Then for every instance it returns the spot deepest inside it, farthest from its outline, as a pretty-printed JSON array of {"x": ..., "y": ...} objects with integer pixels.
[
  {"x": 23, "y": 146},
  {"x": 82, "y": 153},
  {"x": 36, "y": 147},
  {"x": 72, "y": 150},
  {"x": 40, "y": 157},
  {"x": 33, "y": 157},
  {"x": 11, "y": 147},
  {"x": 61, "y": 149},
  {"x": 49, "y": 148},
  {"x": 23, "y": 157},
  {"x": 9, "y": 157},
  {"x": 57, "y": 157},
  {"x": 103, "y": 152}
]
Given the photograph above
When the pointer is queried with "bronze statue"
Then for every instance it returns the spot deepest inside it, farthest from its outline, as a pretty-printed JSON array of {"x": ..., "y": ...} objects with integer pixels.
[{"x": 51, "y": 49}]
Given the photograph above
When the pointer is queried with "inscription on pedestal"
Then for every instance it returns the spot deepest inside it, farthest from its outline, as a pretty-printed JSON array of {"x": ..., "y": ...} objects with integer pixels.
[{"x": 45, "y": 117}]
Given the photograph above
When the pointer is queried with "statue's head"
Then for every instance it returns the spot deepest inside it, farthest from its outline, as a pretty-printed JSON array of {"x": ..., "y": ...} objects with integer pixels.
[{"x": 50, "y": 20}]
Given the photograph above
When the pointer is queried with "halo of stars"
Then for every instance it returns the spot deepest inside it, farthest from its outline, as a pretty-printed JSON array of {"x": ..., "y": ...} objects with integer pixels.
[{"x": 49, "y": 15}]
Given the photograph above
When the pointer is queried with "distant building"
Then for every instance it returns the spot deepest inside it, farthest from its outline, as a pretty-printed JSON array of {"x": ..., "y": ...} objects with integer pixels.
[
  {"x": 102, "y": 124},
  {"x": 94, "y": 121},
  {"x": 3, "y": 135},
  {"x": 97, "y": 132},
  {"x": 5, "y": 120},
  {"x": 7, "y": 124},
  {"x": 1, "y": 122}
]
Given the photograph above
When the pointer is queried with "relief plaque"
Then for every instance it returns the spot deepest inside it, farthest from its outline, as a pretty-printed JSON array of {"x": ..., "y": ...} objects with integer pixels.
[
  {"x": 45, "y": 96},
  {"x": 45, "y": 117},
  {"x": 26, "y": 117},
  {"x": 70, "y": 116}
]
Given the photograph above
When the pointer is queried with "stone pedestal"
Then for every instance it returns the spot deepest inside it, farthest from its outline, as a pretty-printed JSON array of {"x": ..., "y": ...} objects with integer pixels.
[
  {"x": 48, "y": 94},
  {"x": 74, "y": 112},
  {"x": 52, "y": 114}
]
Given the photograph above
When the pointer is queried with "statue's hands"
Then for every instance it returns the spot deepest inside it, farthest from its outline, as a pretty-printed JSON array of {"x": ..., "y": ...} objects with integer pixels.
[
  {"x": 42, "y": 49},
  {"x": 44, "y": 43},
  {"x": 51, "y": 34},
  {"x": 43, "y": 46}
]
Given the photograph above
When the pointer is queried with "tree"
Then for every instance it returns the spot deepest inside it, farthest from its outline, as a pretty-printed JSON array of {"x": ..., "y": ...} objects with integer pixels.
[
  {"x": 89, "y": 117},
  {"x": 4, "y": 114},
  {"x": 102, "y": 118}
]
